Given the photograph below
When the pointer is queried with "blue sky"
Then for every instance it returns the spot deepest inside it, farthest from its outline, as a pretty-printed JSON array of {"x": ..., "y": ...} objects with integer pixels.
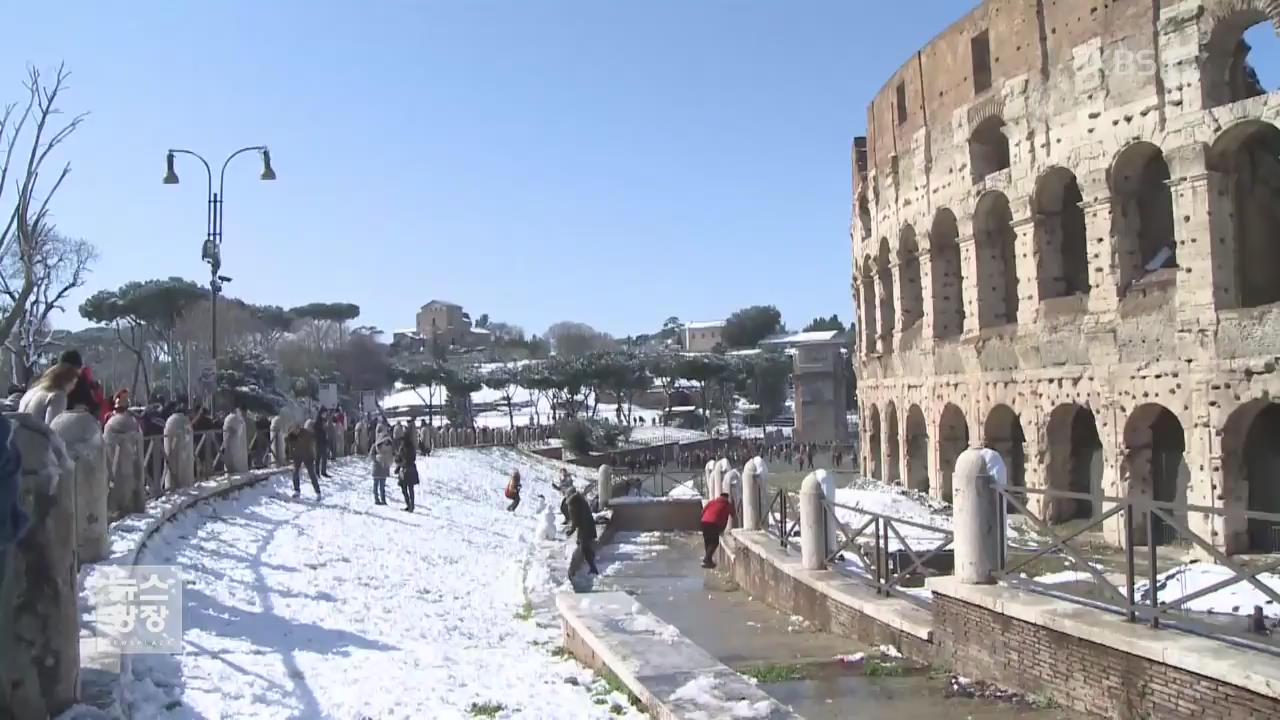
[{"x": 606, "y": 162}]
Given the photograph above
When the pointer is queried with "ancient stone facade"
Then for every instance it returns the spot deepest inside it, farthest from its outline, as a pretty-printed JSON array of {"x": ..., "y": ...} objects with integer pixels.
[{"x": 1065, "y": 245}]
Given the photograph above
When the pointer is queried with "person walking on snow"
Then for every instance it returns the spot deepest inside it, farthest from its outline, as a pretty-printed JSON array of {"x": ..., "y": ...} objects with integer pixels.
[
  {"x": 383, "y": 453},
  {"x": 715, "y": 518},
  {"x": 303, "y": 442},
  {"x": 584, "y": 524},
  {"x": 407, "y": 469},
  {"x": 513, "y": 491}
]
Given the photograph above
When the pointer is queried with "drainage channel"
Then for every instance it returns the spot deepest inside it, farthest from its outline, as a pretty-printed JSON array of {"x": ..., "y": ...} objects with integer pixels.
[{"x": 792, "y": 661}]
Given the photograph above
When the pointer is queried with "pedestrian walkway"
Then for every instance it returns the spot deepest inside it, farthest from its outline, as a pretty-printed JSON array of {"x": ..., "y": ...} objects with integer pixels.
[{"x": 795, "y": 663}]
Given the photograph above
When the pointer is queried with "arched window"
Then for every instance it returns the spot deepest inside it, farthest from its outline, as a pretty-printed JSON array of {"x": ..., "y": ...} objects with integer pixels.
[
  {"x": 909, "y": 276},
  {"x": 995, "y": 242},
  {"x": 1142, "y": 210},
  {"x": 1249, "y": 154},
  {"x": 988, "y": 149},
  {"x": 1063, "y": 265},
  {"x": 1226, "y": 73},
  {"x": 884, "y": 275},
  {"x": 946, "y": 278},
  {"x": 867, "y": 310}
]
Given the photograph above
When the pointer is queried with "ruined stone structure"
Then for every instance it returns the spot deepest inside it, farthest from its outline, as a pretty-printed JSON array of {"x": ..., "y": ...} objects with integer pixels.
[
  {"x": 818, "y": 374},
  {"x": 1067, "y": 245}
]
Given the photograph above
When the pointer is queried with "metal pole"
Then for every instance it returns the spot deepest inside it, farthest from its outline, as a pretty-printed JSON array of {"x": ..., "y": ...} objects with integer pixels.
[
  {"x": 1128, "y": 561},
  {"x": 1152, "y": 570},
  {"x": 215, "y": 264}
]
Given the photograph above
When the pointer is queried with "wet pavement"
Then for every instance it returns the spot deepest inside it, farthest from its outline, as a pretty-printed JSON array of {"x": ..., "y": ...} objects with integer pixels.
[{"x": 795, "y": 663}]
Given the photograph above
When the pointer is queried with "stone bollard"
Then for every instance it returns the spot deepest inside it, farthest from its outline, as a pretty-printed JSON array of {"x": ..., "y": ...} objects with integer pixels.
[
  {"x": 279, "y": 429},
  {"x": 812, "y": 545},
  {"x": 362, "y": 438},
  {"x": 976, "y": 516},
  {"x": 732, "y": 484},
  {"x": 179, "y": 453},
  {"x": 235, "y": 444},
  {"x": 828, "y": 482},
  {"x": 334, "y": 431},
  {"x": 80, "y": 433},
  {"x": 604, "y": 485},
  {"x": 709, "y": 480},
  {"x": 122, "y": 438},
  {"x": 755, "y": 495},
  {"x": 40, "y": 634}
]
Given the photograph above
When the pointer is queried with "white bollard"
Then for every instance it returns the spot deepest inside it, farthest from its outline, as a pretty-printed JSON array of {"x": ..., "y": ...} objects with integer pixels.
[
  {"x": 604, "y": 485},
  {"x": 280, "y": 427},
  {"x": 362, "y": 437},
  {"x": 976, "y": 515},
  {"x": 828, "y": 482},
  {"x": 179, "y": 453},
  {"x": 122, "y": 438},
  {"x": 732, "y": 484},
  {"x": 755, "y": 494},
  {"x": 812, "y": 545},
  {"x": 235, "y": 444},
  {"x": 82, "y": 437},
  {"x": 708, "y": 480}
]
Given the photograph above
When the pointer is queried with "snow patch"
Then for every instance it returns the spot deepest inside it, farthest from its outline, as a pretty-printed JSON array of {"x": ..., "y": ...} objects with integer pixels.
[{"x": 704, "y": 693}]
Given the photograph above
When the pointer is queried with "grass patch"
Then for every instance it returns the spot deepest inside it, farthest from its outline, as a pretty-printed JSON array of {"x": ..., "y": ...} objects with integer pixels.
[
  {"x": 485, "y": 709},
  {"x": 875, "y": 667},
  {"x": 561, "y": 652},
  {"x": 1042, "y": 701},
  {"x": 525, "y": 612},
  {"x": 612, "y": 682},
  {"x": 775, "y": 672}
]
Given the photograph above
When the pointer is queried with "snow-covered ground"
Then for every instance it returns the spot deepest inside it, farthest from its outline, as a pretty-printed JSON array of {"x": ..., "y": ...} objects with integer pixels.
[
  {"x": 1237, "y": 599},
  {"x": 345, "y": 609}
]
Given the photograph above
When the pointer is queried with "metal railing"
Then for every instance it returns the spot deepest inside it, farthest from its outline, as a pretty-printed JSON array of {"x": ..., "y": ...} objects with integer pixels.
[
  {"x": 1141, "y": 521},
  {"x": 882, "y": 567},
  {"x": 783, "y": 516}
]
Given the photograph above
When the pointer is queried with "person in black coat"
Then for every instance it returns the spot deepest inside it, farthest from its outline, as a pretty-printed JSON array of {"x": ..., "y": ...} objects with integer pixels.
[
  {"x": 584, "y": 524},
  {"x": 407, "y": 469}
]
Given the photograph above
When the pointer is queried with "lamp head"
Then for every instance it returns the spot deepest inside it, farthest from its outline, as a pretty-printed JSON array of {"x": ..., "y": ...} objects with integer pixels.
[
  {"x": 268, "y": 173},
  {"x": 170, "y": 177}
]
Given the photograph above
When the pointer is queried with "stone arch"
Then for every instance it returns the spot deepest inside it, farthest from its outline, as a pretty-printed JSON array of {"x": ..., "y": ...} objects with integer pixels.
[
  {"x": 909, "y": 277},
  {"x": 1142, "y": 212},
  {"x": 1061, "y": 239},
  {"x": 873, "y": 442},
  {"x": 884, "y": 276},
  {"x": 864, "y": 215},
  {"x": 1002, "y": 432},
  {"x": 988, "y": 148},
  {"x": 1075, "y": 462},
  {"x": 867, "y": 312},
  {"x": 1251, "y": 475},
  {"x": 917, "y": 438},
  {"x": 1248, "y": 153},
  {"x": 953, "y": 439},
  {"x": 1154, "y": 466},
  {"x": 995, "y": 243},
  {"x": 893, "y": 472},
  {"x": 1225, "y": 73},
  {"x": 945, "y": 275}
]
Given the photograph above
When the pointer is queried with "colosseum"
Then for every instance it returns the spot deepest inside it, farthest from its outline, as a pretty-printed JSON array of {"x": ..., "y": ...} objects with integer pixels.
[{"x": 1066, "y": 242}]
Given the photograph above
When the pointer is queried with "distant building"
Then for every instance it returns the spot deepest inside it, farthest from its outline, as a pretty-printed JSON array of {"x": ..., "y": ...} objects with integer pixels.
[
  {"x": 819, "y": 378},
  {"x": 703, "y": 336},
  {"x": 444, "y": 325},
  {"x": 786, "y": 341}
]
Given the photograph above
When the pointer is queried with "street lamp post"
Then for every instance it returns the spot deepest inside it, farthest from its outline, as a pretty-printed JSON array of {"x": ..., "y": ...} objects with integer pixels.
[{"x": 211, "y": 250}]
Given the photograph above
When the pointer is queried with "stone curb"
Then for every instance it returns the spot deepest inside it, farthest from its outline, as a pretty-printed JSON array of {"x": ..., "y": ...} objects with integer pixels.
[{"x": 106, "y": 668}]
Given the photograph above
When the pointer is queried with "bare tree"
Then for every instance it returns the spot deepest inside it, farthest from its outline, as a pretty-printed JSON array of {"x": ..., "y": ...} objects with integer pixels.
[
  {"x": 30, "y": 134},
  {"x": 58, "y": 265}
]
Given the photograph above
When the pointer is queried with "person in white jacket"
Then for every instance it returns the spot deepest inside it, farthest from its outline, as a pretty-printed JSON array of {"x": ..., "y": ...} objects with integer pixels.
[{"x": 47, "y": 397}]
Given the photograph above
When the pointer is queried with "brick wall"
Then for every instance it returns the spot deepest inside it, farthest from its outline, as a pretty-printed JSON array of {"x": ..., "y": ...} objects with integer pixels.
[
  {"x": 765, "y": 581},
  {"x": 1080, "y": 674}
]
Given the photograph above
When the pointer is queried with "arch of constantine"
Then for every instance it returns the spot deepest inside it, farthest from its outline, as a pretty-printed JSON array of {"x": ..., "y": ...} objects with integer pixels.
[{"x": 1066, "y": 242}]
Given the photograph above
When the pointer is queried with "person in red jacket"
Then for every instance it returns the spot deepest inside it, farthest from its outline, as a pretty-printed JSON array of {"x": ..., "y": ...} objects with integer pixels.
[{"x": 715, "y": 518}]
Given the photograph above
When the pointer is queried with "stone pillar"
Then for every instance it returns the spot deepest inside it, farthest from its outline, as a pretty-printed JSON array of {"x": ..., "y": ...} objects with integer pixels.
[
  {"x": 732, "y": 484},
  {"x": 604, "y": 485},
  {"x": 1205, "y": 198},
  {"x": 971, "y": 284},
  {"x": 279, "y": 429},
  {"x": 708, "y": 479},
  {"x": 235, "y": 444},
  {"x": 362, "y": 437},
  {"x": 1104, "y": 274},
  {"x": 977, "y": 519},
  {"x": 125, "y": 473},
  {"x": 753, "y": 510},
  {"x": 925, "y": 258},
  {"x": 80, "y": 433},
  {"x": 812, "y": 545},
  {"x": 179, "y": 453},
  {"x": 828, "y": 483},
  {"x": 1026, "y": 265},
  {"x": 40, "y": 644}
]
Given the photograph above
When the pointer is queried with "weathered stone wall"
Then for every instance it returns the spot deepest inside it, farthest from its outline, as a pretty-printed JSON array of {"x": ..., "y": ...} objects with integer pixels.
[
  {"x": 1007, "y": 268},
  {"x": 1081, "y": 674}
]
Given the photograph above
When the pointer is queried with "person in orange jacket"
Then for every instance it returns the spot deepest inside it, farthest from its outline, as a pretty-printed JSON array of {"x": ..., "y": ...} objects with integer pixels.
[{"x": 715, "y": 518}]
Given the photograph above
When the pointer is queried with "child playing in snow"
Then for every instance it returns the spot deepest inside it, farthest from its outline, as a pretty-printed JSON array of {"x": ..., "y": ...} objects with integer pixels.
[{"x": 513, "y": 491}]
